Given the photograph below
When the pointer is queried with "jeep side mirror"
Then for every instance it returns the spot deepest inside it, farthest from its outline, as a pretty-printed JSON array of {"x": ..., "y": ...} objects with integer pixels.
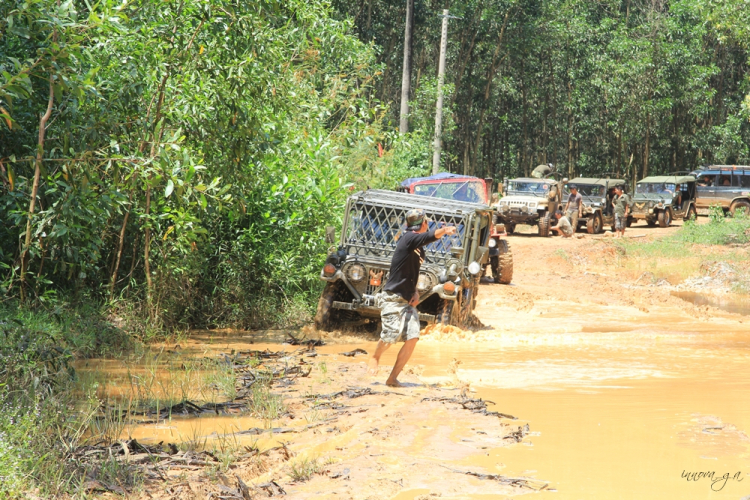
[{"x": 330, "y": 235}]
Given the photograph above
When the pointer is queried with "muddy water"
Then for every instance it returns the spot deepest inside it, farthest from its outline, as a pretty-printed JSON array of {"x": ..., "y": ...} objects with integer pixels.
[
  {"x": 617, "y": 411},
  {"x": 621, "y": 416},
  {"x": 731, "y": 303}
]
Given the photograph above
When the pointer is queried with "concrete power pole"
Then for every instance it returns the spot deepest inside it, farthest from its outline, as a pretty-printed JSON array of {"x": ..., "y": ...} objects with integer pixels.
[
  {"x": 403, "y": 126},
  {"x": 441, "y": 79}
]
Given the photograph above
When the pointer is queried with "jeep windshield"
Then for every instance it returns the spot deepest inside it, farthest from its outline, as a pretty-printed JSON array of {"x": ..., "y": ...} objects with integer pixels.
[
  {"x": 592, "y": 190},
  {"x": 528, "y": 188},
  {"x": 471, "y": 191},
  {"x": 655, "y": 188}
]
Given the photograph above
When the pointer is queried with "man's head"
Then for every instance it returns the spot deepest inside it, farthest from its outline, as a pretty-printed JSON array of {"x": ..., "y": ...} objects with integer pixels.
[
  {"x": 416, "y": 221},
  {"x": 618, "y": 190},
  {"x": 573, "y": 188},
  {"x": 558, "y": 214}
]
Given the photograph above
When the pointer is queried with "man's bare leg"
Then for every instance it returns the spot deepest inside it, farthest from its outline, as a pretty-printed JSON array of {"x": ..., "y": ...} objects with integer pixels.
[
  {"x": 374, "y": 361},
  {"x": 403, "y": 356}
]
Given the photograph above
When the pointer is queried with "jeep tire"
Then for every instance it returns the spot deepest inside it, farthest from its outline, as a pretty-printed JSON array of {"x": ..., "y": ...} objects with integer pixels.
[
  {"x": 502, "y": 265},
  {"x": 509, "y": 228},
  {"x": 651, "y": 222},
  {"x": 594, "y": 224},
  {"x": 544, "y": 223},
  {"x": 691, "y": 213},
  {"x": 665, "y": 217},
  {"x": 325, "y": 308},
  {"x": 444, "y": 312},
  {"x": 739, "y": 205}
]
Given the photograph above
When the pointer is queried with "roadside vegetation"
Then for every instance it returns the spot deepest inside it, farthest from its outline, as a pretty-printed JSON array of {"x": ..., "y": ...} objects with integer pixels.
[
  {"x": 171, "y": 165},
  {"x": 684, "y": 254}
]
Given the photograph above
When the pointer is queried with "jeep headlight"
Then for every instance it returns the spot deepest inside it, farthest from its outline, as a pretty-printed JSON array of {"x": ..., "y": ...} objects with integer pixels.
[
  {"x": 356, "y": 272},
  {"x": 492, "y": 243},
  {"x": 425, "y": 282},
  {"x": 474, "y": 267},
  {"x": 604, "y": 201}
]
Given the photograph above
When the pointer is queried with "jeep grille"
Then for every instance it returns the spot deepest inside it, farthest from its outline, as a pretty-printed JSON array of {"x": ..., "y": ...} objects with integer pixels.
[{"x": 373, "y": 231}]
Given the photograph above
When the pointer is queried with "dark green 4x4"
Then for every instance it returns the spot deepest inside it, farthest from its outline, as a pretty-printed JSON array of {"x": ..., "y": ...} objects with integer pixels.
[
  {"x": 661, "y": 199},
  {"x": 597, "y": 194},
  {"x": 357, "y": 269}
]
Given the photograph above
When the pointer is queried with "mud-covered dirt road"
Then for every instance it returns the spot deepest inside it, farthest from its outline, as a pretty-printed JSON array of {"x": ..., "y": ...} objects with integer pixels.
[{"x": 624, "y": 388}]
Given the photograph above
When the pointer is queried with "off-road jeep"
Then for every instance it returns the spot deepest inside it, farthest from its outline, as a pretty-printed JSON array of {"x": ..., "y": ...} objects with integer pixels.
[
  {"x": 597, "y": 194},
  {"x": 530, "y": 201},
  {"x": 660, "y": 199},
  {"x": 473, "y": 189},
  {"x": 358, "y": 268}
]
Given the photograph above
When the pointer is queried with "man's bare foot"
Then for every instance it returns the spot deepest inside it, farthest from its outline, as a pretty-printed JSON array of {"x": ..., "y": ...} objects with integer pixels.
[
  {"x": 372, "y": 367},
  {"x": 394, "y": 383}
]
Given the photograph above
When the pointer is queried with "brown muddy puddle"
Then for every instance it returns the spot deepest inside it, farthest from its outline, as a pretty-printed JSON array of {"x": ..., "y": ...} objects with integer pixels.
[
  {"x": 731, "y": 304},
  {"x": 614, "y": 414}
]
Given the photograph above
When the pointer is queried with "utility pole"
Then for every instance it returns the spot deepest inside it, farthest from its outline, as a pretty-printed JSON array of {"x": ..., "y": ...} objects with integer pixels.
[
  {"x": 403, "y": 126},
  {"x": 441, "y": 78}
]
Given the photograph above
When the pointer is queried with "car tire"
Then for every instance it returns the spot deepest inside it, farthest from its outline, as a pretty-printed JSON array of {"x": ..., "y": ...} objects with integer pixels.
[
  {"x": 544, "y": 223},
  {"x": 510, "y": 228},
  {"x": 594, "y": 224},
  {"x": 502, "y": 265},
  {"x": 691, "y": 214},
  {"x": 325, "y": 307},
  {"x": 665, "y": 218},
  {"x": 738, "y": 205}
]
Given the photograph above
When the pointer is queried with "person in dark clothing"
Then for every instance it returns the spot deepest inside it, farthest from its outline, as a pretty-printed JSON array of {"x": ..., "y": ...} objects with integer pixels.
[{"x": 398, "y": 301}]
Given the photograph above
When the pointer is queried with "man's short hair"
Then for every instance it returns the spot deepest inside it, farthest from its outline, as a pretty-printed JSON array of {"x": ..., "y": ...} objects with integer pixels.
[
  {"x": 572, "y": 186},
  {"x": 619, "y": 188}
]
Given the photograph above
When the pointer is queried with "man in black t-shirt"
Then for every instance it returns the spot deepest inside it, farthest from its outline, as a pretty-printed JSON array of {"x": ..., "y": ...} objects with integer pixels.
[{"x": 399, "y": 298}]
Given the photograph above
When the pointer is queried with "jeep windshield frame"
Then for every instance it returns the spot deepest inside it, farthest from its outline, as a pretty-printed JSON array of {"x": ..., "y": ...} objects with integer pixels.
[
  {"x": 448, "y": 188},
  {"x": 661, "y": 189},
  {"x": 375, "y": 220},
  {"x": 528, "y": 187},
  {"x": 587, "y": 190}
]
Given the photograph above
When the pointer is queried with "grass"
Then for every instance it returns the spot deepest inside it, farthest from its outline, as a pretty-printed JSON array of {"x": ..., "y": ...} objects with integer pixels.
[
  {"x": 679, "y": 256},
  {"x": 305, "y": 468}
]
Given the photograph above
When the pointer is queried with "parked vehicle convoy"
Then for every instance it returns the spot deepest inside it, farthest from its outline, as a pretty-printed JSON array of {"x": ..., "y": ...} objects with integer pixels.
[
  {"x": 531, "y": 201},
  {"x": 357, "y": 269},
  {"x": 661, "y": 199},
  {"x": 467, "y": 188},
  {"x": 597, "y": 194},
  {"x": 726, "y": 186}
]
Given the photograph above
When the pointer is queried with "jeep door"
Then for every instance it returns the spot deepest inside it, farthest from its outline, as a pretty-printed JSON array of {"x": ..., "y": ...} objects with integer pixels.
[
  {"x": 705, "y": 190},
  {"x": 727, "y": 188}
]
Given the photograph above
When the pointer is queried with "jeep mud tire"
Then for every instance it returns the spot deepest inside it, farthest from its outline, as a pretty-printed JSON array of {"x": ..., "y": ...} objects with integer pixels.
[
  {"x": 594, "y": 224},
  {"x": 739, "y": 205},
  {"x": 444, "y": 312},
  {"x": 502, "y": 265},
  {"x": 665, "y": 218},
  {"x": 691, "y": 214},
  {"x": 544, "y": 224},
  {"x": 323, "y": 316}
]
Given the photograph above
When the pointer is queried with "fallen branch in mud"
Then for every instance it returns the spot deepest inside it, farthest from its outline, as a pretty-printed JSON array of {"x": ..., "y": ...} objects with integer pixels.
[
  {"x": 351, "y": 393},
  {"x": 518, "y": 482},
  {"x": 351, "y": 354},
  {"x": 473, "y": 405}
]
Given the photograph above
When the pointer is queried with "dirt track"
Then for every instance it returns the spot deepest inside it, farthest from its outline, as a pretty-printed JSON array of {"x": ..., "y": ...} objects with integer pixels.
[{"x": 405, "y": 444}]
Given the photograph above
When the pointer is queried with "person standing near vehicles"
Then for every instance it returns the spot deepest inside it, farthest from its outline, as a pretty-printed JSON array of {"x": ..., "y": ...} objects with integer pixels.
[
  {"x": 573, "y": 207},
  {"x": 621, "y": 204},
  {"x": 399, "y": 299}
]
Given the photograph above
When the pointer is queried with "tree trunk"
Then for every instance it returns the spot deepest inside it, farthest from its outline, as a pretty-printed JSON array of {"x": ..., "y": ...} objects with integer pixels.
[
  {"x": 120, "y": 244},
  {"x": 35, "y": 186},
  {"x": 403, "y": 126},
  {"x": 647, "y": 145},
  {"x": 571, "y": 166}
]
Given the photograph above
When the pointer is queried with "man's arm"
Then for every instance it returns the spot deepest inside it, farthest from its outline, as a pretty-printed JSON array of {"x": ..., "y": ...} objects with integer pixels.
[{"x": 445, "y": 230}]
